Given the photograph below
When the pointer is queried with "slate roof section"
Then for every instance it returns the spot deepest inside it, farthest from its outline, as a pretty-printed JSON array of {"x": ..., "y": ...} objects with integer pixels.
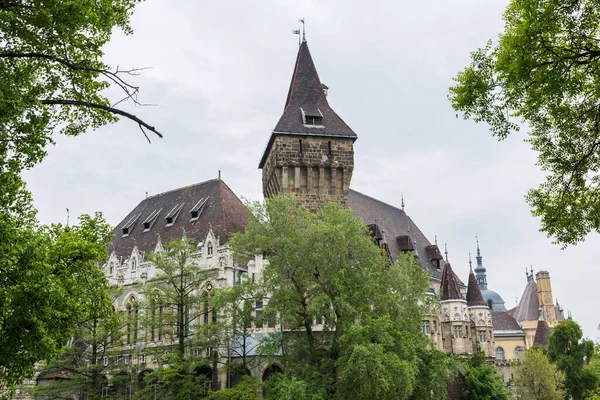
[
  {"x": 306, "y": 93},
  {"x": 502, "y": 321},
  {"x": 449, "y": 286},
  {"x": 396, "y": 223},
  {"x": 541, "y": 334},
  {"x": 474, "y": 297},
  {"x": 528, "y": 308},
  {"x": 223, "y": 211}
]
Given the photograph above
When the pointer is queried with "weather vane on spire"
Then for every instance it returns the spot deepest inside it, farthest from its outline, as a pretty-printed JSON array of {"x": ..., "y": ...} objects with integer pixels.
[{"x": 303, "y": 29}]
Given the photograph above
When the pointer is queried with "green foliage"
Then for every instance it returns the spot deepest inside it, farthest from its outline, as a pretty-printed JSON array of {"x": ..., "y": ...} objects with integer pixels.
[
  {"x": 180, "y": 287},
  {"x": 544, "y": 70},
  {"x": 46, "y": 277},
  {"x": 247, "y": 388},
  {"x": 479, "y": 380},
  {"x": 51, "y": 73},
  {"x": 285, "y": 387},
  {"x": 81, "y": 364},
  {"x": 537, "y": 378},
  {"x": 568, "y": 350},
  {"x": 352, "y": 319}
]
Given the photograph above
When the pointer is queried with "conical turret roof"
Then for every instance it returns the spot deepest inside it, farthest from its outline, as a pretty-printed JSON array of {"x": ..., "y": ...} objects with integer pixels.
[
  {"x": 542, "y": 332},
  {"x": 474, "y": 296},
  {"x": 449, "y": 285}
]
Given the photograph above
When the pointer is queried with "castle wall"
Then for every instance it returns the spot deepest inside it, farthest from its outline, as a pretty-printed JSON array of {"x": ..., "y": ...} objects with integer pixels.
[{"x": 316, "y": 169}]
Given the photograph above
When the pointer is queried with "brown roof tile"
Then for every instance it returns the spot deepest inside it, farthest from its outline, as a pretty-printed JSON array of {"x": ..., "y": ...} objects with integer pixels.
[
  {"x": 396, "y": 223},
  {"x": 474, "y": 297},
  {"x": 542, "y": 332},
  {"x": 449, "y": 285},
  {"x": 223, "y": 211},
  {"x": 502, "y": 321}
]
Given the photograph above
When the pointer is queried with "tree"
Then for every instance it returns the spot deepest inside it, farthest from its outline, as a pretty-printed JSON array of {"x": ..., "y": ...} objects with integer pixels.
[
  {"x": 537, "y": 378},
  {"x": 479, "y": 380},
  {"x": 544, "y": 70},
  {"x": 351, "y": 318},
  {"x": 46, "y": 276},
  {"x": 81, "y": 367},
  {"x": 569, "y": 351},
  {"x": 52, "y": 76}
]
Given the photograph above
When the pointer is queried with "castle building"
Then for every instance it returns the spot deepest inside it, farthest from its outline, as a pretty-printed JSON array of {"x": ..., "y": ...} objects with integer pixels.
[{"x": 310, "y": 153}]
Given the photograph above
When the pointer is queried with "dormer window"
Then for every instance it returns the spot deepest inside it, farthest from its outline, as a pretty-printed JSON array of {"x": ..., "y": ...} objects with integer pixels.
[
  {"x": 196, "y": 211},
  {"x": 126, "y": 229},
  {"x": 172, "y": 215},
  {"x": 149, "y": 221},
  {"x": 312, "y": 118}
]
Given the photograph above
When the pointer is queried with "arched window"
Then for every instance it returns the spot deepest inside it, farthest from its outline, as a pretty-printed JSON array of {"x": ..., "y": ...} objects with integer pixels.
[
  {"x": 132, "y": 321},
  {"x": 499, "y": 353},
  {"x": 133, "y": 265},
  {"x": 111, "y": 268},
  {"x": 518, "y": 352},
  {"x": 209, "y": 249},
  {"x": 490, "y": 304}
]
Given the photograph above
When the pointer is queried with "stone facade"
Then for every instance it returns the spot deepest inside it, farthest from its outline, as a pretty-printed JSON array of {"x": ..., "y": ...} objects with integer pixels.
[{"x": 315, "y": 169}]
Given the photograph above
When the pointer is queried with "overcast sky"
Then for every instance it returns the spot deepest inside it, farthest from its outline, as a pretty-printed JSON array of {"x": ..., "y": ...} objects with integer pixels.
[{"x": 219, "y": 79}]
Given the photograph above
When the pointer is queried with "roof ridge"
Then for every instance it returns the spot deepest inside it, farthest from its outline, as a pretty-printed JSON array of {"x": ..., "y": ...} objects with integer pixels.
[{"x": 180, "y": 188}]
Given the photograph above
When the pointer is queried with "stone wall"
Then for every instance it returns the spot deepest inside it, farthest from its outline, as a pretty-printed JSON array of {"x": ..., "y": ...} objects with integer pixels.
[{"x": 316, "y": 169}]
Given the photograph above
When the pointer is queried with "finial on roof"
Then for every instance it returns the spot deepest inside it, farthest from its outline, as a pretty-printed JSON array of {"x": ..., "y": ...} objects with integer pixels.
[
  {"x": 383, "y": 240},
  {"x": 446, "y": 251},
  {"x": 470, "y": 263},
  {"x": 297, "y": 32},
  {"x": 67, "y": 217},
  {"x": 531, "y": 269},
  {"x": 402, "y": 197},
  {"x": 477, "y": 239},
  {"x": 303, "y": 29},
  {"x": 146, "y": 194},
  {"x": 219, "y": 175},
  {"x": 435, "y": 239}
]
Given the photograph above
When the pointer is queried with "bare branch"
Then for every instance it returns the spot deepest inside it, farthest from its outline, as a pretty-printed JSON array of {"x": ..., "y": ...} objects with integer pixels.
[{"x": 111, "y": 110}]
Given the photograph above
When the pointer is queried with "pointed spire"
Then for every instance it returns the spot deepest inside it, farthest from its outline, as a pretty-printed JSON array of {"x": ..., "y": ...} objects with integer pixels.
[
  {"x": 449, "y": 286},
  {"x": 470, "y": 264},
  {"x": 480, "y": 271},
  {"x": 446, "y": 251},
  {"x": 402, "y": 197},
  {"x": 474, "y": 296},
  {"x": 541, "y": 333}
]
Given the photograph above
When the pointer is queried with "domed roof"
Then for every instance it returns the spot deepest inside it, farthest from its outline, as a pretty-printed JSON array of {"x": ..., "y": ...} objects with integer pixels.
[{"x": 495, "y": 298}]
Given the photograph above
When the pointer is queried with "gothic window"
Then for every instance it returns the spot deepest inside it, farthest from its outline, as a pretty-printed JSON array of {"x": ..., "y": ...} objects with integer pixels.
[
  {"x": 425, "y": 328},
  {"x": 160, "y": 323},
  {"x": 482, "y": 336},
  {"x": 499, "y": 353},
  {"x": 434, "y": 326},
  {"x": 518, "y": 352},
  {"x": 457, "y": 331},
  {"x": 152, "y": 321},
  {"x": 112, "y": 268},
  {"x": 209, "y": 249},
  {"x": 133, "y": 264},
  {"x": 132, "y": 322},
  {"x": 259, "y": 307}
]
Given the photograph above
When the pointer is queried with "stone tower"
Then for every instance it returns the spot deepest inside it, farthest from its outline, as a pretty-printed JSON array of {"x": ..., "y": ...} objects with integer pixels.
[
  {"x": 481, "y": 319},
  {"x": 545, "y": 297},
  {"x": 455, "y": 315},
  {"x": 310, "y": 151}
]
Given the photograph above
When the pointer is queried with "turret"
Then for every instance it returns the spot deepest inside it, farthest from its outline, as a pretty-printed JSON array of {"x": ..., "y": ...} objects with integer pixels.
[
  {"x": 455, "y": 315},
  {"x": 481, "y": 317},
  {"x": 310, "y": 152}
]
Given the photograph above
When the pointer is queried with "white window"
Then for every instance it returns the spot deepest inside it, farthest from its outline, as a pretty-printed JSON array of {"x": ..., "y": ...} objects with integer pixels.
[
  {"x": 425, "y": 327},
  {"x": 105, "y": 361},
  {"x": 499, "y": 353},
  {"x": 457, "y": 331}
]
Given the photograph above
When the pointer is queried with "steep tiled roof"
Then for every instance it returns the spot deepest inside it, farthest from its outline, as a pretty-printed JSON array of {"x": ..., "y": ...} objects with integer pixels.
[
  {"x": 306, "y": 95},
  {"x": 396, "y": 224},
  {"x": 541, "y": 334},
  {"x": 449, "y": 286},
  {"x": 502, "y": 321},
  {"x": 474, "y": 297},
  {"x": 223, "y": 211},
  {"x": 529, "y": 305}
]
